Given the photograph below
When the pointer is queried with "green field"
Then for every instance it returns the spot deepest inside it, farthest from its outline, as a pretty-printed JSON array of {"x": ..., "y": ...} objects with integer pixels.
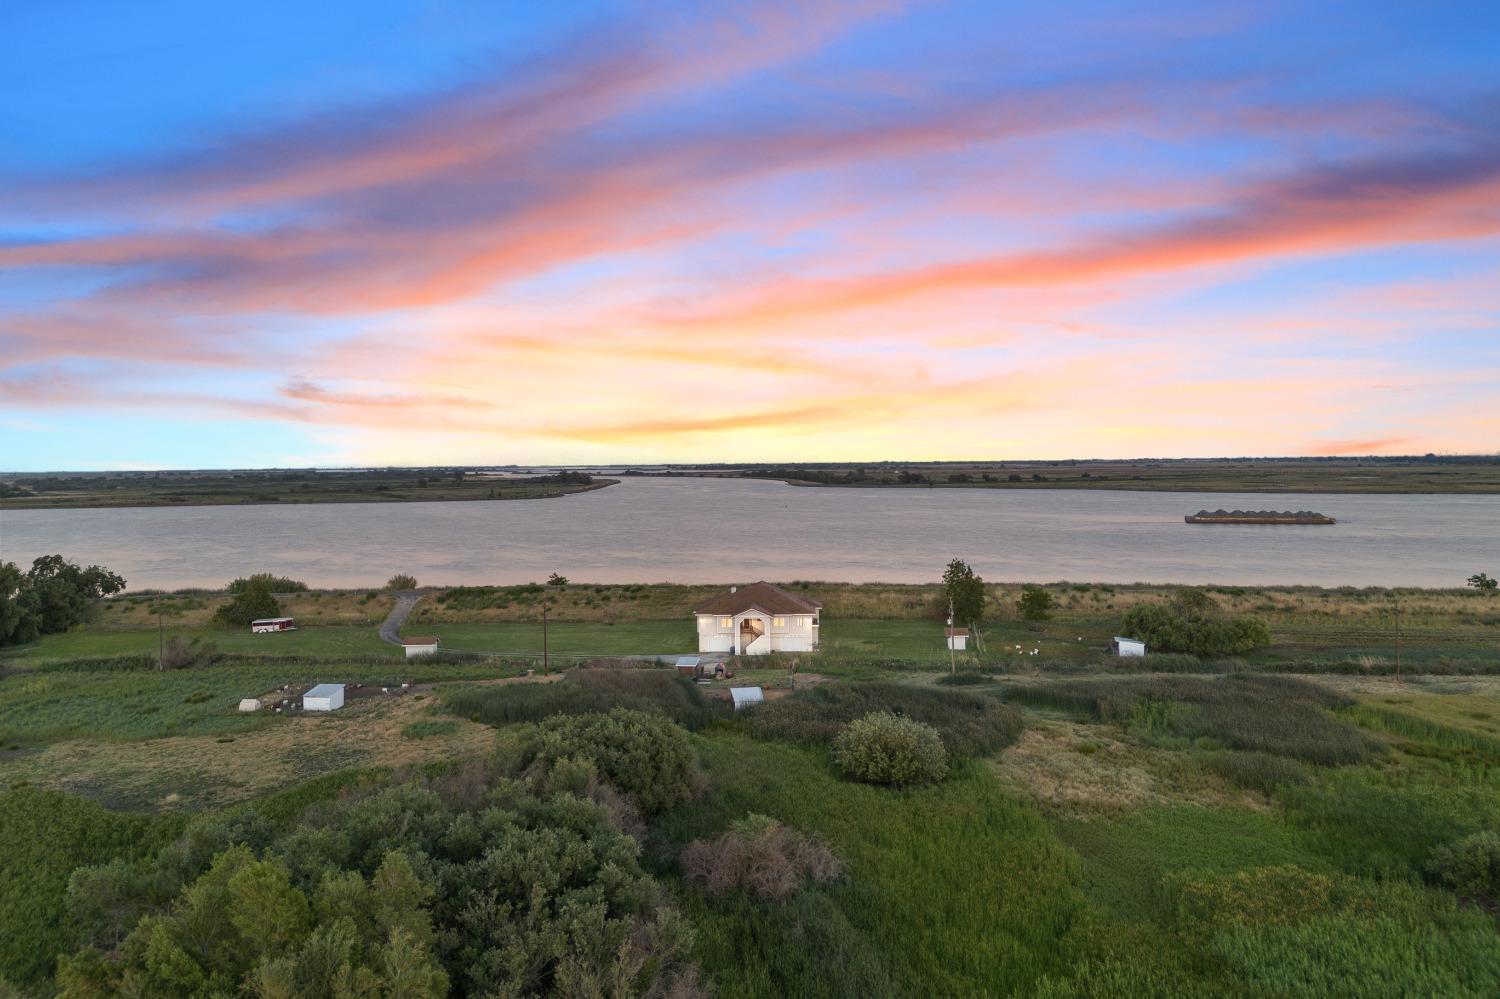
[
  {"x": 326, "y": 640},
  {"x": 1428, "y": 474},
  {"x": 20, "y": 491}
]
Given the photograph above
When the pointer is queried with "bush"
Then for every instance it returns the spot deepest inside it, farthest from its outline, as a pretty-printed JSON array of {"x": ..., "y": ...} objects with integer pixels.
[
  {"x": 883, "y": 748},
  {"x": 276, "y": 584},
  {"x": 641, "y": 754},
  {"x": 970, "y": 724},
  {"x": 1192, "y": 622},
  {"x": 401, "y": 581},
  {"x": 181, "y": 654},
  {"x": 761, "y": 857},
  {"x": 1035, "y": 603},
  {"x": 253, "y": 602},
  {"x": 1470, "y": 867}
]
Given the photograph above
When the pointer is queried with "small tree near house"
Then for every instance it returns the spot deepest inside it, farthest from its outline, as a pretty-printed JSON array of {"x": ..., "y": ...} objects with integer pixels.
[
  {"x": 965, "y": 594},
  {"x": 1484, "y": 583}
]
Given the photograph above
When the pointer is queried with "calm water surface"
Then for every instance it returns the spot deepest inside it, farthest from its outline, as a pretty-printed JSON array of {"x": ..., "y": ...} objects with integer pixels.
[{"x": 718, "y": 530}]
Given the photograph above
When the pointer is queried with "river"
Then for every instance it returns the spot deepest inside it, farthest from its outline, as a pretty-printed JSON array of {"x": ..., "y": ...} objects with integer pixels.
[{"x": 726, "y": 530}]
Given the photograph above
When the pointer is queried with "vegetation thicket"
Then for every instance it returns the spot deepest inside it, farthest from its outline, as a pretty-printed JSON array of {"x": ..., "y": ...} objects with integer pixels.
[
  {"x": 1471, "y": 866},
  {"x": 760, "y": 856},
  {"x": 1034, "y": 603},
  {"x": 640, "y": 753},
  {"x": 883, "y": 748},
  {"x": 252, "y": 601},
  {"x": 401, "y": 581},
  {"x": 51, "y": 596},
  {"x": 1193, "y": 622},
  {"x": 1484, "y": 583},
  {"x": 268, "y": 581}
]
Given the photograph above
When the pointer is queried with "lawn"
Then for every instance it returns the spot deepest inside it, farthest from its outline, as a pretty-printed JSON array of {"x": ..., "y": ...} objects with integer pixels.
[{"x": 331, "y": 641}]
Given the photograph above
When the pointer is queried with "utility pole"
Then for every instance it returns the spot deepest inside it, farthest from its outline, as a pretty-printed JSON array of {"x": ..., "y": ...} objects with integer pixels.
[
  {"x": 1398, "y": 638},
  {"x": 544, "y": 639},
  {"x": 161, "y": 643},
  {"x": 948, "y": 637}
]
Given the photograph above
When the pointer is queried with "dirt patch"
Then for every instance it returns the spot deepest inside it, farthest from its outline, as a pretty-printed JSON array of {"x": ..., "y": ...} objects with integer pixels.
[
  {"x": 193, "y": 772},
  {"x": 1068, "y": 766}
]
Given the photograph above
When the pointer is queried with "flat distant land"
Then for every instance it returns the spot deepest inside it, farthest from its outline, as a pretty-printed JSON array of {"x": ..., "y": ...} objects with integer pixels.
[
  {"x": 1426, "y": 474},
  {"x": 215, "y": 488}
]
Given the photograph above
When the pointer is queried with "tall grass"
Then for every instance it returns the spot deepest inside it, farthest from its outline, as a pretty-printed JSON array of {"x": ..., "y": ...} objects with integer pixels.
[
  {"x": 588, "y": 691},
  {"x": 970, "y": 724},
  {"x": 1256, "y": 713}
]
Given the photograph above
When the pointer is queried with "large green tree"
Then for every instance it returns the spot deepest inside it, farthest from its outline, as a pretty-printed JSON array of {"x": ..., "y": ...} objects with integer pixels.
[
  {"x": 965, "y": 593},
  {"x": 53, "y": 595}
]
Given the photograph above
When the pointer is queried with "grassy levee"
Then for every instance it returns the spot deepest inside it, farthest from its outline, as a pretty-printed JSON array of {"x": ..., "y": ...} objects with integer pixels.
[{"x": 930, "y": 905}]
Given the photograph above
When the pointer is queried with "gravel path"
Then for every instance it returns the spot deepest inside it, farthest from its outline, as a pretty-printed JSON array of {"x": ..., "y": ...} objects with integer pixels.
[{"x": 390, "y": 628}]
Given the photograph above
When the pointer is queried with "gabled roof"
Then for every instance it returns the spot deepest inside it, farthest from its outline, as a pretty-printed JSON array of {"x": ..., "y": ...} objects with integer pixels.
[
  {"x": 957, "y": 632},
  {"x": 761, "y": 596},
  {"x": 419, "y": 640}
]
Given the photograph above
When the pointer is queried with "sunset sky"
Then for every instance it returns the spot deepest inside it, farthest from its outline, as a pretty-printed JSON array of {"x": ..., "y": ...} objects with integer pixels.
[{"x": 383, "y": 232}]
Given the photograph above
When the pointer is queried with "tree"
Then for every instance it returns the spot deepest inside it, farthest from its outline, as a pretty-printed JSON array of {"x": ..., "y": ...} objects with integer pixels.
[
  {"x": 1035, "y": 603},
  {"x": 52, "y": 596},
  {"x": 401, "y": 581},
  {"x": 252, "y": 602},
  {"x": 1484, "y": 583},
  {"x": 557, "y": 579},
  {"x": 965, "y": 594},
  {"x": 1192, "y": 622}
]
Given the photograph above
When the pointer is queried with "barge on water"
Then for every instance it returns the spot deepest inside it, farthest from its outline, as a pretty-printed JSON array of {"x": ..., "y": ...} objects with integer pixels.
[{"x": 1258, "y": 517}]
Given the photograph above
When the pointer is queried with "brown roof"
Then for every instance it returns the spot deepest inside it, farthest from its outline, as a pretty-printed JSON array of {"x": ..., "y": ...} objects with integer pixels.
[
  {"x": 761, "y": 596},
  {"x": 419, "y": 640},
  {"x": 957, "y": 632}
]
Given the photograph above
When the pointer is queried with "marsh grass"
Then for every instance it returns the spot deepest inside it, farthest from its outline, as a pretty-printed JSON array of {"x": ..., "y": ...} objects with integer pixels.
[
  {"x": 969, "y": 724},
  {"x": 588, "y": 691},
  {"x": 1267, "y": 714}
]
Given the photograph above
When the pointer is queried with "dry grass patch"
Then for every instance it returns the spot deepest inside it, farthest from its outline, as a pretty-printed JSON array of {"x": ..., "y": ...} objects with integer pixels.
[
  {"x": 1074, "y": 767},
  {"x": 196, "y": 772}
]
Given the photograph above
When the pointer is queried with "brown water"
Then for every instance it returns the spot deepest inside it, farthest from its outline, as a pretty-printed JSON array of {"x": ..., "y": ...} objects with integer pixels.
[{"x": 723, "y": 530}]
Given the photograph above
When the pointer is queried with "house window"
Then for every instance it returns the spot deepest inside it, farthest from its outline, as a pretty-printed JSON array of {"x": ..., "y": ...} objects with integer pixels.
[
  {"x": 726, "y": 622},
  {"x": 778, "y": 622}
]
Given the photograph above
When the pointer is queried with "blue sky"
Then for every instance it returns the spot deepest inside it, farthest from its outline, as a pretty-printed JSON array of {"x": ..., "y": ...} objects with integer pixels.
[{"x": 378, "y": 233}]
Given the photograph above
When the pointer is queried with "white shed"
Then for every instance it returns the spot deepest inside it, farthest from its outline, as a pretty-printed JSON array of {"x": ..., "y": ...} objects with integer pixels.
[
  {"x": 745, "y": 697},
  {"x": 420, "y": 645},
  {"x": 324, "y": 697},
  {"x": 958, "y": 639},
  {"x": 250, "y": 704},
  {"x": 1129, "y": 646}
]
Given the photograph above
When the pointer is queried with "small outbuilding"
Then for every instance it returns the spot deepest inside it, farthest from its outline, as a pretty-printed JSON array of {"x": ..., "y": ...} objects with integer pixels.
[
  {"x": 745, "y": 697},
  {"x": 324, "y": 697},
  {"x": 688, "y": 666},
  {"x": 248, "y": 704},
  {"x": 958, "y": 639},
  {"x": 420, "y": 645},
  {"x": 271, "y": 625},
  {"x": 1129, "y": 646}
]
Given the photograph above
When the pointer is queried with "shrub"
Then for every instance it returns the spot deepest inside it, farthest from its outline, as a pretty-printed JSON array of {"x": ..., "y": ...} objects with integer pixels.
[
  {"x": 883, "y": 748},
  {"x": 970, "y": 724},
  {"x": 644, "y": 755},
  {"x": 1192, "y": 622},
  {"x": 761, "y": 857},
  {"x": 1470, "y": 867},
  {"x": 1035, "y": 603},
  {"x": 401, "y": 581},
  {"x": 181, "y": 654},
  {"x": 249, "y": 604},
  {"x": 276, "y": 584}
]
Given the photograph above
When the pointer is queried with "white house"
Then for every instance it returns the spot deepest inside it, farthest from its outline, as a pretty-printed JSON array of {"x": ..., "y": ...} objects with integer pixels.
[
  {"x": 958, "y": 639},
  {"x": 420, "y": 645},
  {"x": 1129, "y": 646},
  {"x": 270, "y": 625},
  {"x": 756, "y": 619},
  {"x": 324, "y": 697}
]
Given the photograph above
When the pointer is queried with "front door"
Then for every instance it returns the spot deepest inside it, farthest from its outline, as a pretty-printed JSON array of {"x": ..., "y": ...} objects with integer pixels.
[{"x": 751, "y": 628}]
